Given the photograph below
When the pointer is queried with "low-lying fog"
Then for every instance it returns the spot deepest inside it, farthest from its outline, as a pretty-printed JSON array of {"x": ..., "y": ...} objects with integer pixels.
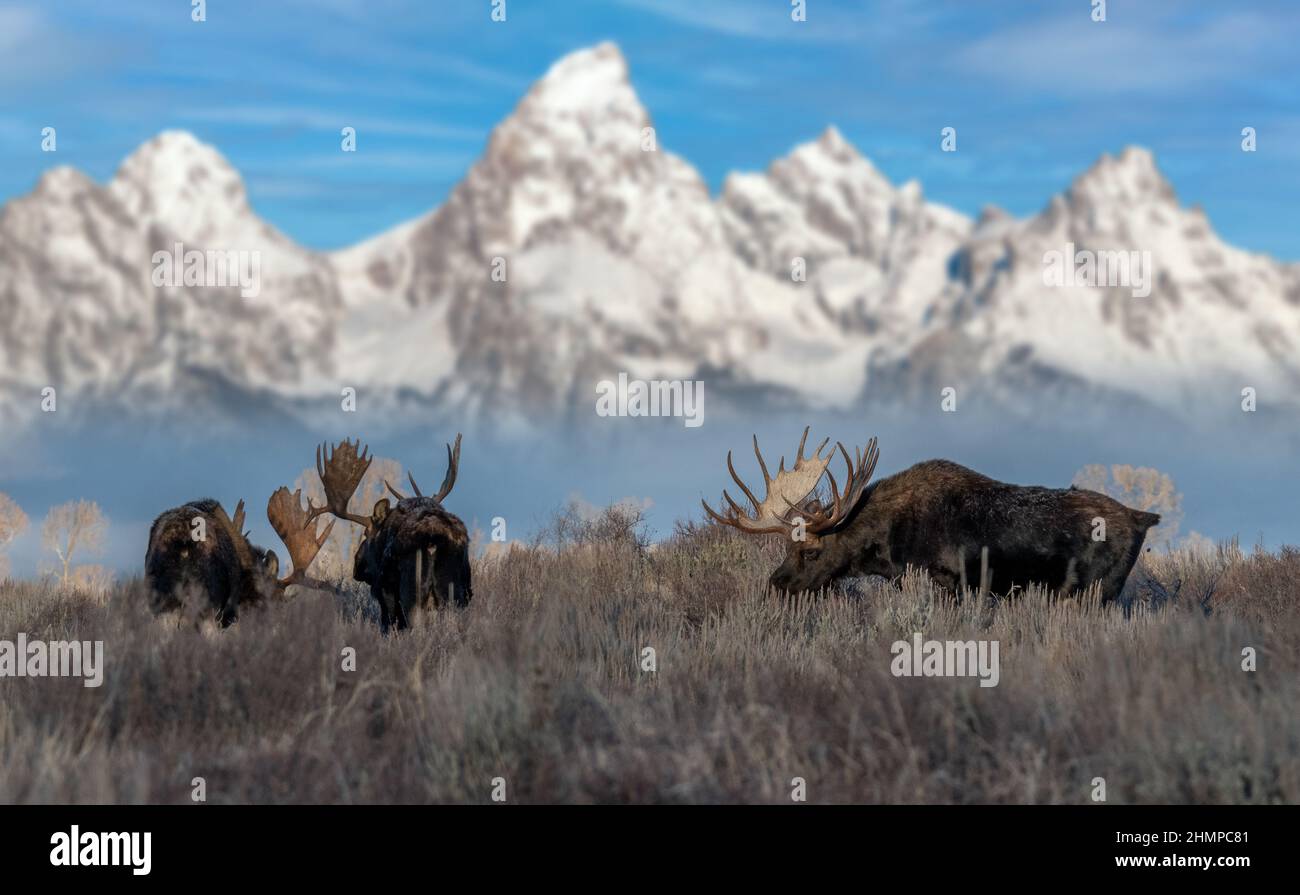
[{"x": 1234, "y": 481}]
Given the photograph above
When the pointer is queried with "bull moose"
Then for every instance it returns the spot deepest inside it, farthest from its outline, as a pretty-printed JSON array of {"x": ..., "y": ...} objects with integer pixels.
[
  {"x": 197, "y": 548},
  {"x": 939, "y": 516},
  {"x": 413, "y": 554}
]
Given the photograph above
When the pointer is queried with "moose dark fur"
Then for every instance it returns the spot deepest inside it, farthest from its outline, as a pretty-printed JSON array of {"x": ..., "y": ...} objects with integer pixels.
[
  {"x": 940, "y": 516},
  {"x": 414, "y": 554},
  {"x": 417, "y": 554},
  {"x": 217, "y": 560},
  {"x": 222, "y": 565}
]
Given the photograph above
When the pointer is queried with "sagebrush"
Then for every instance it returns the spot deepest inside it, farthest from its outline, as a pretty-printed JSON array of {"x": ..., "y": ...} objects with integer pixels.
[{"x": 540, "y": 681}]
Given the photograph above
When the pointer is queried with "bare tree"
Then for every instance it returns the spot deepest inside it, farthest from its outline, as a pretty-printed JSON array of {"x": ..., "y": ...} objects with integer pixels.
[
  {"x": 72, "y": 527},
  {"x": 335, "y": 558},
  {"x": 13, "y": 522},
  {"x": 1141, "y": 488}
]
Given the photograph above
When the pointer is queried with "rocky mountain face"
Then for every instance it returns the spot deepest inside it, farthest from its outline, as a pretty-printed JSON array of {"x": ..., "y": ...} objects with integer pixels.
[
  {"x": 84, "y": 315},
  {"x": 1215, "y": 319},
  {"x": 577, "y": 248}
]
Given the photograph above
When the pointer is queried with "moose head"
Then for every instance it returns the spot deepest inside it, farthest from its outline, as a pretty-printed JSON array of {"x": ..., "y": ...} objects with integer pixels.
[
  {"x": 410, "y": 553},
  {"x": 217, "y": 560},
  {"x": 817, "y": 552}
]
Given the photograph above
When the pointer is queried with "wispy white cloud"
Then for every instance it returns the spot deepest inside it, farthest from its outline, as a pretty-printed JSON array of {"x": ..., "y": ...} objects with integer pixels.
[
  {"x": 308, "y": 79},
  {"x": 320, "y": 120},
  {"x": 1147, "y": 53},
  {"x": 33, "y": 51},
  {"x": 362, "y": 32},
  {"x": 728, "y": 76},
  {"x": 767, "y": 21},
  {"x": 292, "y": 188},
  {"x": 480, "y": 74},
  {"x": 432, "y": 163},
  {"x": 19, "y": 26},
  {"x": 354, "y": 10}
]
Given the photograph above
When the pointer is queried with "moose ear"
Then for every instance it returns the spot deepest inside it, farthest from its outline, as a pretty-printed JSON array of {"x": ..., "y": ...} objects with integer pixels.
[
  {"x": 271, "y": 563},
  {"x": 380, "y": 511}
]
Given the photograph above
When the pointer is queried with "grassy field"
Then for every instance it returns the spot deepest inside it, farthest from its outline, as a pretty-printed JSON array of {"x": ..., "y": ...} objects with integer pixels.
[{"x": 540, "y": 682}]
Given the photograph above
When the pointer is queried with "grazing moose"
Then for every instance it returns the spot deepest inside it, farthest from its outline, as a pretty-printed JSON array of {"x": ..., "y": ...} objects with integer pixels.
[
  {"x": 412, "y": 554},
  {"x": 198, "y": 548},
  {"x": 938, "y": 516}
]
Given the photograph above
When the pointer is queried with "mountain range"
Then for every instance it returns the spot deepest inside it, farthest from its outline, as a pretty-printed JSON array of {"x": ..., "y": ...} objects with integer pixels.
[{"x": 574, "y": 250}]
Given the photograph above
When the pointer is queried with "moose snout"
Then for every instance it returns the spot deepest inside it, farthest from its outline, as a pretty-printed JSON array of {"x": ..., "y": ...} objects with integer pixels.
[
  {"x": 787, "y": 582},
  {"x": 780, "y": 583}
]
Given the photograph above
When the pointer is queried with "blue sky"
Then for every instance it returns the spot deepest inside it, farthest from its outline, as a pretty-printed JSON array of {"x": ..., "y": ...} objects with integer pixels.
[{"x": 1036, "y": 90}]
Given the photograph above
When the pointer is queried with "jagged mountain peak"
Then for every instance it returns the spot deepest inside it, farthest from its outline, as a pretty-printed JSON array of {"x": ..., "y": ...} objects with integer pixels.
[
  {"x": 588, "y": 80},
  {"x": 816, "y": 270},
  {"x": 174, "y": 143},
  {"x": 833, "y": 143},
  {"x": 62, "y": 182},
  {"x": 184, "y": 184},
  {"x": 176, "y": 158},
  {"x": 831, "y": 156},
  {"x": 825, "y": 200},
  {"x": 1132, "y": 176},
  {"x": 584, "y": 104},
  {"x": 575, "y": 157}
]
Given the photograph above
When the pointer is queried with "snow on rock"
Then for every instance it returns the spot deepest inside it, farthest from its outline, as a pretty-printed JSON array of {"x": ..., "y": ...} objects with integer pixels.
[
  {"x": 572, "y": 251},
  {"x": 83, "y": 313}
]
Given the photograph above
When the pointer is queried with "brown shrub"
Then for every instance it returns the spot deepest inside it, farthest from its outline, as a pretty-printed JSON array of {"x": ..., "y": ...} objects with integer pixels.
[{"x": 539, "y": 681}]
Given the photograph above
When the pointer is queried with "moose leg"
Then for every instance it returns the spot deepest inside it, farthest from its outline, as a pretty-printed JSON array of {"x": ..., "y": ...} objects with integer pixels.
[
  {"x": 451, "y": 570},
  {"x": 402, "y": 620},
  {"x": 387, "y": 617},
  {"x": 409, "y": 589},
  {"x": 430, "y": 585},
  {"x": 227, "y": 603}
]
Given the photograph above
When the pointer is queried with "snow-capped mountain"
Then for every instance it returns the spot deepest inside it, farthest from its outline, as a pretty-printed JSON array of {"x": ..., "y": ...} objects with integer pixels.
[
  {"x": 1216, "y": 320},
  {"x": 83, "y": 314},
  {"x": 876, "y": 254},
  {"x": 574, "y": 250},
  {"x": 577, "y": 248}
]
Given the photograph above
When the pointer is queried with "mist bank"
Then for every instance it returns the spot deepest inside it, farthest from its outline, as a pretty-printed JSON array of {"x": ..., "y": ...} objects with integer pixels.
[{"x": 1235, "y": 480}]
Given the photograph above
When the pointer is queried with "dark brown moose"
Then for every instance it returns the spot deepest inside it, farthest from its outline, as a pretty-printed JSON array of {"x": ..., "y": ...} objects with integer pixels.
[
  {"x": 938, "y": 516},
  {"x": 197, "y": 549},
  {"x": 414, "y": 554}
]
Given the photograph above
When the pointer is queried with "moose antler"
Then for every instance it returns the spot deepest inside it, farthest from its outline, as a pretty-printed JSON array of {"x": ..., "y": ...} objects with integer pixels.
[
  {"x": 823, "y": 519},
  {"x": 448, "y": 481},
  {"x": 341, "y": 471},
  {"x": 789, "y": 488},
  {"x": 297, "y": 528},
  {"x": 233, "y": 525}
]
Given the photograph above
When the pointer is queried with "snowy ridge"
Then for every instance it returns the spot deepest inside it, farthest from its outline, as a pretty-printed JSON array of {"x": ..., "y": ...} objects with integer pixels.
[{"x": 617, "y": 259}]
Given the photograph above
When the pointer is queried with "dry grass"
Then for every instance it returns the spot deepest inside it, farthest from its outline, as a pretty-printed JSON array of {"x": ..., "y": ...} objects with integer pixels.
[{"x": 539, "y": 682}]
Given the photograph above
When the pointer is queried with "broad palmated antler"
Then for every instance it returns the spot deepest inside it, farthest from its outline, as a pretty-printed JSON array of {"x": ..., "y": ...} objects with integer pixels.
[
  {"x": 341, "y": 471},
  {"x": 448, "y": 481},
  {"x": 821, "y": 519},
  {"x": 785, "y": 493},
  {"x": 297, "y": 528}
]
